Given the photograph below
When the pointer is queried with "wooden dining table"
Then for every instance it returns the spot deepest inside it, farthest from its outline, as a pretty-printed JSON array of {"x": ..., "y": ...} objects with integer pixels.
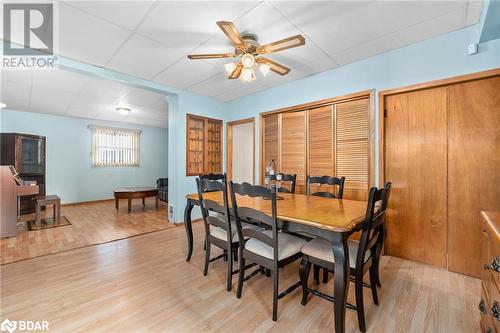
[{"x": 332, "y": 219}]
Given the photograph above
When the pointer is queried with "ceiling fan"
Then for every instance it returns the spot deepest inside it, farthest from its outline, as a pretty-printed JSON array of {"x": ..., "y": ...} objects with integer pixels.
[{"x": 250, "y": 53}]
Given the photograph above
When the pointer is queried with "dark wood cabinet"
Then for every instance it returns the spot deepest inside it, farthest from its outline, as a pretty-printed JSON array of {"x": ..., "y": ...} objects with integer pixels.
[{"x": 26, "y": 153}]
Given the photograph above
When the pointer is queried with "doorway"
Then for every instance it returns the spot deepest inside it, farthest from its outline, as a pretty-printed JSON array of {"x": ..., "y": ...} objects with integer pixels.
[{"x": 241, "y": 150}]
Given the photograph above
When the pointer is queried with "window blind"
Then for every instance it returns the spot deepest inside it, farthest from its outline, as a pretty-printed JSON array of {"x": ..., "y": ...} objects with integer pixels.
[{"x": 115, "y": 147}]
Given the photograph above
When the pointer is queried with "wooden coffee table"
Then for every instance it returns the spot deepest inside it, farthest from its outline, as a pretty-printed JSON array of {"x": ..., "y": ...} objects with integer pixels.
[{"x": 130, "y": 193}]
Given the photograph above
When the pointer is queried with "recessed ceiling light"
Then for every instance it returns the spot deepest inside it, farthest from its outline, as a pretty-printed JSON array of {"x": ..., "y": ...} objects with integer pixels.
[
  {"x": 3, "y": 105},
  {"x": 123, "y": 110}
]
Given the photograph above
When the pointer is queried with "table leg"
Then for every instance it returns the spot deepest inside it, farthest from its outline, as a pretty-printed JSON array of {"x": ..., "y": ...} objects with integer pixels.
[
  {"x": 156, "y": 202},
  {"x": 38, "y": 217},
  {"x": 189, "y": 228},
  {"x": 129, "y": 204},
  {"x": 58, "y": 211},
  {"x": 143, "y": 202},
  {"x": 341, "y": 279},
  {"x": 117, "y": 203},
  {"x": 54, "y": 212}
]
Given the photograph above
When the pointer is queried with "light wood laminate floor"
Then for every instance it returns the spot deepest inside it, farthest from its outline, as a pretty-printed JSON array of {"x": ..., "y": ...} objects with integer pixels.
[
  {"x": 143, "y": 284},
  {"x": 91, "y": 223}
]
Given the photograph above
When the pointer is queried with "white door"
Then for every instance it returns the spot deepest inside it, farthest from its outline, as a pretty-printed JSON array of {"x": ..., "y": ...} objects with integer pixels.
[{"x": 243, "y": 151}]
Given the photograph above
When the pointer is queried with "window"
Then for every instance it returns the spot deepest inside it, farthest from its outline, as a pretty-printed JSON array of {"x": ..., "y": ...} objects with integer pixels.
[{"x": 115, "y": 147}]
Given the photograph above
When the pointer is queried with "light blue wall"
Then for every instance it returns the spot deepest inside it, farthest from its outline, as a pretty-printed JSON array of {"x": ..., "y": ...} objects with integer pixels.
[
  {"x": 186, "y": 103},
  {"x": 436, "y": 58},
  {"x": 69, "y": 172}
]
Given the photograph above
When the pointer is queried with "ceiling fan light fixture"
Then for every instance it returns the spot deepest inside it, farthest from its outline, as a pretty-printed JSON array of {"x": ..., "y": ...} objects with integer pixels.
[
  {"x": 230, "y": 67},
  {"x": 264, "y": 69},
  {"x": 247, "y": 60},
  {"x": 247, "y": 75}
]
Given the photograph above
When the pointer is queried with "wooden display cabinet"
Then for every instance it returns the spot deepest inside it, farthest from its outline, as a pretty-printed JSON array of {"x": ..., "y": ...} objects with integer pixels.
[{"x": 203, "y": 145}]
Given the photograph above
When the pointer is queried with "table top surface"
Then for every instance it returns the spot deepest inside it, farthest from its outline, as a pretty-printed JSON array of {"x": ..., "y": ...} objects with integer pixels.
[
  {"x": 340, "y": 215},
  {"x": 135, "y": 189}
]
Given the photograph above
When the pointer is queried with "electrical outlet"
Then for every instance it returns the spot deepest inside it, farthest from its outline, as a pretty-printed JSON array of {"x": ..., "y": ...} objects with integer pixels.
[{"x": 472, "y": 49}]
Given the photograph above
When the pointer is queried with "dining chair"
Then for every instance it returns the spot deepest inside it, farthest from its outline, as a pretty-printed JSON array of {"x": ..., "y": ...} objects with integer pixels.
[
  {"x": 326, "y": 180},
  {"x": 270, "y": 249},
  {"x": 362, "y": 255},
  {"x": 218, "y": 230},
  {"x": 289, "y": 179}
]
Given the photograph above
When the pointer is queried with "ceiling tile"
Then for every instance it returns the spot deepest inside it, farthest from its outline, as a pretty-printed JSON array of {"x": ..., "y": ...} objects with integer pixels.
[
  {"x": 127, "y": 14},
  {"x": 365, "y": 50},
  {"x": 60, "y": 79},
  {"x": 185, "y": 25},
  {"x": 448, "y": 22},
  {"x": 216, "y": 85},
  {"x": 143, "y": 57},
  {"x": 144, "y": 98},
  {"x": 17, "y": 76},
  {"x": 473, "y": 13},
  {"x": 86, "y": 38},
  {"x": 15, "y": 91},
  {"x": 247, "y": 89},
  {"x": 187, "y": 72},
  {"x": 82, "y": 112},
  {"x": 51, "y": 101},
  {"x": 106, "y": 88}
]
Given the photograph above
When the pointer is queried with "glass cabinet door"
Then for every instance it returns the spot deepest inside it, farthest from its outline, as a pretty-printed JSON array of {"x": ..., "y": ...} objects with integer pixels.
[{"x": 30, "y": 155}]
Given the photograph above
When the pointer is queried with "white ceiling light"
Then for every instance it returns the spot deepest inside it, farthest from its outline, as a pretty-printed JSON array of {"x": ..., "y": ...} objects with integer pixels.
[
  {"x": 123, "y": 110},
  {"x": 247, "y": 75},
  {"x": 230, "y": 67},
  {"x": 264, "y": 69},
  {"x": 247, "y": 60},
  {"x": 3, "y": 105}
]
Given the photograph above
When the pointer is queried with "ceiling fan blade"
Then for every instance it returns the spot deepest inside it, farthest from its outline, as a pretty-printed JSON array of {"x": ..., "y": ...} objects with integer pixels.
[
  {"x": 231, "y": 32},
  {"x": 236, "y": 73},
  {"x": 211, "y": 56},
  {"x": 274, "y": 66},
  {"x": 280, "y": 45}
]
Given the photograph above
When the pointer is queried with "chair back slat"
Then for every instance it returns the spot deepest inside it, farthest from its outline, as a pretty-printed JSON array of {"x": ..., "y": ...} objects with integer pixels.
[
  {"x": 211, "y": 183},
  {"x": 373, "y": 225},
  {"x": 288, "y": 178},
  {"x": 247, "y": 213},
  {"x": 326, "y": 180}
]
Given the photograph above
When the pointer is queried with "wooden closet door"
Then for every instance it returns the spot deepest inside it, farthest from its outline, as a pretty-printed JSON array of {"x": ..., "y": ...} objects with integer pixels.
[
  {"x": 416, "y": 164},
  {"x": 271, "y": 142},
  {"x": 474, "y": 168},
  {"x": 320, "y": 158},
  {"x": 293, "y": 146}
]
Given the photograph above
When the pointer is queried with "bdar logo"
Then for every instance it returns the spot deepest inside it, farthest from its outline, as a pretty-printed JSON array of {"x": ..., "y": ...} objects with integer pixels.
[{"x": 9, "y": 326}]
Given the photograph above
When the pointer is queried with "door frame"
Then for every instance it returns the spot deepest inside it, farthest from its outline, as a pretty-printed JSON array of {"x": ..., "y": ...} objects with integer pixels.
[
  {"x": 415, "y": 87},
  {"x": 229, "y": 146}
]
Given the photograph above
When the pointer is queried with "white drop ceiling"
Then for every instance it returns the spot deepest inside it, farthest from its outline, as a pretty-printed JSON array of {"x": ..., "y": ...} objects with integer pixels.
[
  {"x": 65, "y": 93},
  {"x": 151, "y": 40}
]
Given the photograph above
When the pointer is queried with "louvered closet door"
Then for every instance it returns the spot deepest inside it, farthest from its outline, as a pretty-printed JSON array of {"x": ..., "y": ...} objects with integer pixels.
[
  {"x": 473, "y": 168},
  {"x": 293, "y": 146},
  {"x": 320, "y": 159},
  {"x": 271, "y": 141},
  {"x": 351, "y": 147},
  {"x": 416, "y": 164}
]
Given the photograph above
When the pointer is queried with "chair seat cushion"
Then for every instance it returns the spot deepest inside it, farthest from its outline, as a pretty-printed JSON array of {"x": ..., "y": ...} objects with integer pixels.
[
  {"x": 322, "y": 249},
  {"x": 220, "y": 233},
  {"x": 288, "y": 245}
]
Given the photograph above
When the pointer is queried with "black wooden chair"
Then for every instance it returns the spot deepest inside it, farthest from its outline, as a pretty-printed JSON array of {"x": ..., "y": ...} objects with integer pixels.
[
  {"x": 331, "y": 181},
  {"x": 363, "y": 255},
  {"x": 326, "y": 180},
  {"x": 290, "y": 181},
  {"x": 218, "y": 230},
  {"x": 270, "y": 248}
]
